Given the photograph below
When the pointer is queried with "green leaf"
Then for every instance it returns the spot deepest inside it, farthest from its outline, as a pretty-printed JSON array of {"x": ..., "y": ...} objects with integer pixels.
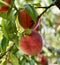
[
  {"x": 31, "y": 11},
  {"x": 32, "y": 62},
  {"x": 14, "y": 60},
  {"x": 29, "y": 1},
  {"x": 23, "y": 62},
  {"x": 14, "y": 49},
  {"x": 4, "y": 43},
  {"x": 4, "y": 63},
  {"x": 19, "y": 54},
  {"x": 3, "y": 15},
  {"x": 1, "y": 4},
  {"x": 9, "y": 27}
]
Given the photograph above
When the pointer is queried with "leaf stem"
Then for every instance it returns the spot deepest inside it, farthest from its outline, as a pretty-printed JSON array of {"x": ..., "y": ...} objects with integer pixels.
[{"x": 5, "y": 3}]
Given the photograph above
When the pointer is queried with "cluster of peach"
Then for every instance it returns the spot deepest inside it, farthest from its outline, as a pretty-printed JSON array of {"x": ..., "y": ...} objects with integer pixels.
[{"x": 30, "y": 44}]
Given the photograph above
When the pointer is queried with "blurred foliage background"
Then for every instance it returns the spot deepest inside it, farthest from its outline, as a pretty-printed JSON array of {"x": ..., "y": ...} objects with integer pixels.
[{"x": 49, "y": 28}]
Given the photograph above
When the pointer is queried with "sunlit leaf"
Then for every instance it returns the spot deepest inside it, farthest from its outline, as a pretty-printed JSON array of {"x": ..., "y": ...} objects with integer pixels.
[
  {"x": 13, "y": 59},
  {"x": 31, "y": 11},
  {"x": 4, "y": 43}
]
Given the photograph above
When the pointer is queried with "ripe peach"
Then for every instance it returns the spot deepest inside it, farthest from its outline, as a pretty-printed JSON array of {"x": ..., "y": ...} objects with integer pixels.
[
  {"x": 5, "y": 8},
  {"x": 31, "y": 44},
  {"x": 26, "y": 21},
  {"x": 42, "y": 59}
]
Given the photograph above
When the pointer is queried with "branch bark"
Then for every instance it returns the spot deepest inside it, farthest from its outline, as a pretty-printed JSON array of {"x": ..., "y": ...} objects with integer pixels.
[
  {"x": 46, "y": 8},
  {"x": 9, "y": 49}
]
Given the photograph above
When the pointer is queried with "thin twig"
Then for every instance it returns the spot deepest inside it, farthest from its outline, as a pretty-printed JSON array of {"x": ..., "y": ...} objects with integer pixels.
[
  {"x": 7, "y": 50},
  {"x": 42, "y": 7},
  {"x": 46, "y": 9}
]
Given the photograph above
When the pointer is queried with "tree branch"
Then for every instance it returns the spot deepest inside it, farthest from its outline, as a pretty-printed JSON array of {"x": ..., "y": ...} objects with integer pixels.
[
  {"x": 46, "y": 8},
  {"x": 42, "y": 7},
  {"x": 9, "y": 49}
]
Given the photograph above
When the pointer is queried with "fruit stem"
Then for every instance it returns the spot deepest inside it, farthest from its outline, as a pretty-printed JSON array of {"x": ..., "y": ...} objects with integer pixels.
[{"x": 5, "y": 3}]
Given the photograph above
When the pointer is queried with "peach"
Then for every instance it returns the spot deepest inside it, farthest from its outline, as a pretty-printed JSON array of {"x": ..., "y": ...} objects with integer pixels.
[
  {"x": 42, "y": 59},
  {"x": 31, "y": 44},
  {"x": 26, "y": 21},
  {"x": 4, "y": 8}
]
